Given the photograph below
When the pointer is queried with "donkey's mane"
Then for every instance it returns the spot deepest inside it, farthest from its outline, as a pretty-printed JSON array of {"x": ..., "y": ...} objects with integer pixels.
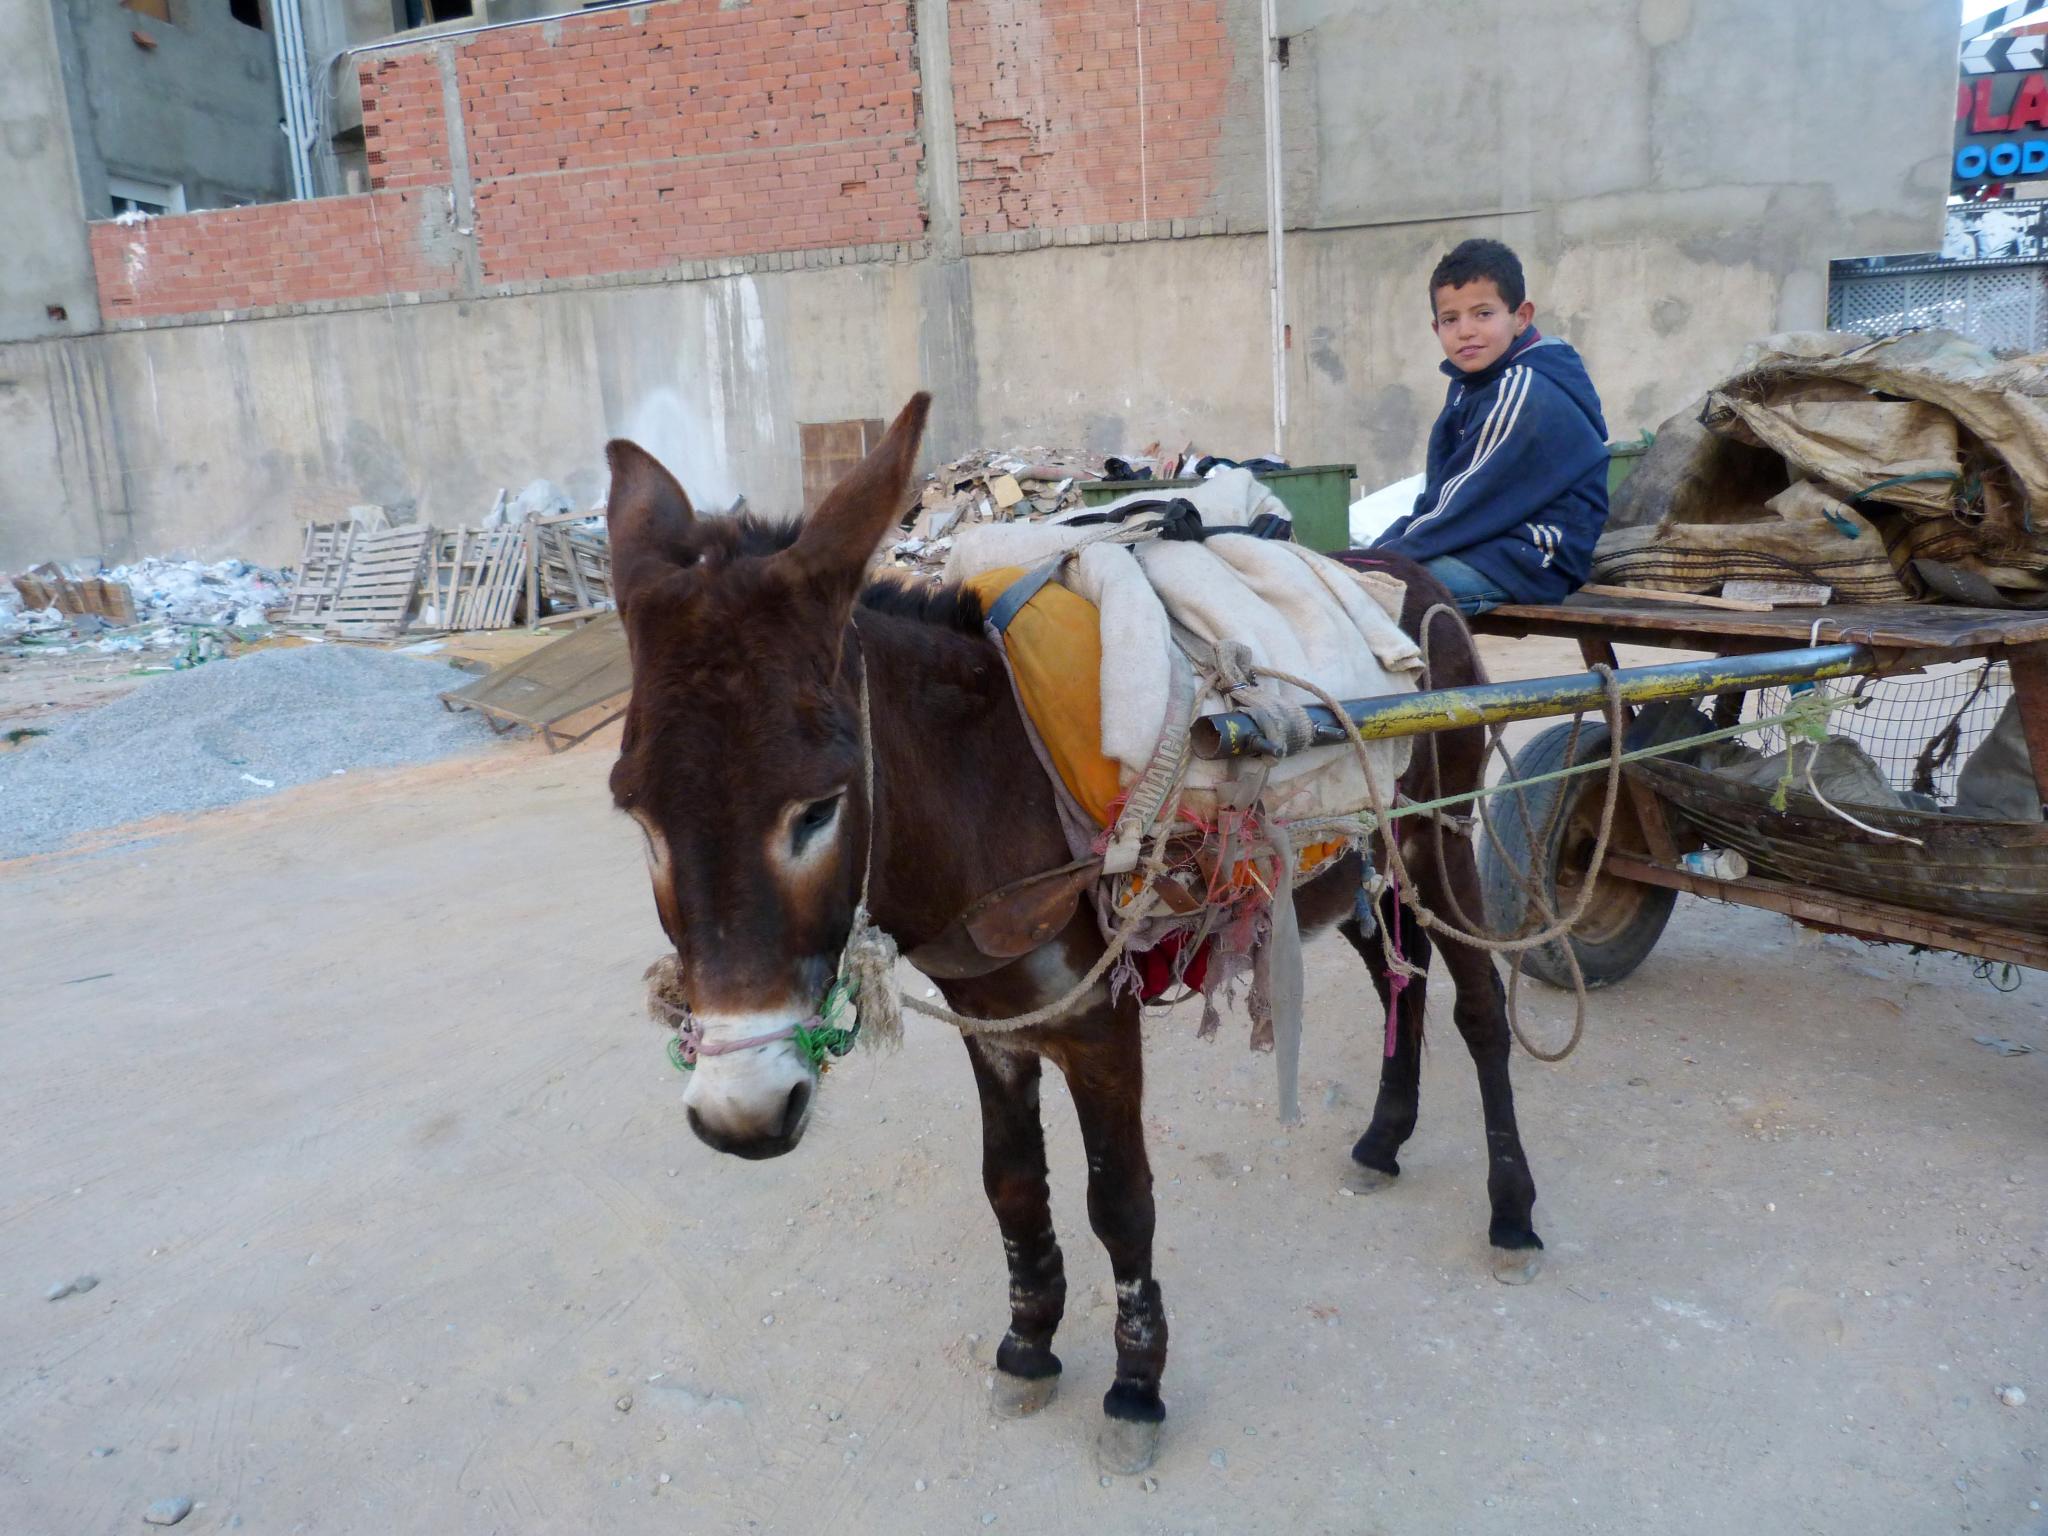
[{"x": 949, "y": 606}]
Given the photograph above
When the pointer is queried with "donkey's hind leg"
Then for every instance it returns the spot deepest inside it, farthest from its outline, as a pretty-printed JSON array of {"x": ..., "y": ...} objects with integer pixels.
[
  {"x": 1375, "y": 1159},
  {"x": 1013, "y": 1173},
  {"x": 1482, "y": 1018}
]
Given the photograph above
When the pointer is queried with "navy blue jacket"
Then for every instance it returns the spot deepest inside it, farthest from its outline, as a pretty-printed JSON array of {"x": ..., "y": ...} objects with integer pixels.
[{"x": 1517, "y": 482}]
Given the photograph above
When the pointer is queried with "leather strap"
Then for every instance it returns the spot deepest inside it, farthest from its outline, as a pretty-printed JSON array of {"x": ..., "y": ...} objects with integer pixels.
[{"x": 1020, "y": 592}]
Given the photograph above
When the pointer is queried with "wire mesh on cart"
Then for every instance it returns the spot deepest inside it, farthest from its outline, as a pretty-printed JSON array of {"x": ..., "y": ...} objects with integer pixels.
[{"x": 1918, "y": 729}]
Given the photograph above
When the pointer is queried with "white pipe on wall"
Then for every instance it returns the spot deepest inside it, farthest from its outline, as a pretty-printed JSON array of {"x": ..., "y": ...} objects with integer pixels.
[
  {"x": 1276, "y": 257},
  {"x": 288, "y": 28}
]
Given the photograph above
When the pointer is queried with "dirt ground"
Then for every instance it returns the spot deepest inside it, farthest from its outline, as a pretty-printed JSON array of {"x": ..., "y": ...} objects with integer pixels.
[{"x": 347, "y": 1100}]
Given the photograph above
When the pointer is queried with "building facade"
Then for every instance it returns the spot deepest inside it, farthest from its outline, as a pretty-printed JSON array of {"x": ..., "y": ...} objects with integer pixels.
[{"x": 707, "y": 223}]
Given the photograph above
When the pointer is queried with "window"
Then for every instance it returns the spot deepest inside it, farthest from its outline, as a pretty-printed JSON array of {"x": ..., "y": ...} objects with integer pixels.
[
  {"x": 129, "y": 194},
  {"x": 248, "y": 12}
]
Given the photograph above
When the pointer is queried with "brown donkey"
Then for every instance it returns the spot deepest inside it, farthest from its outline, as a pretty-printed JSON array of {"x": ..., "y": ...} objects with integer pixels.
[{"x": 742, "y": 763}]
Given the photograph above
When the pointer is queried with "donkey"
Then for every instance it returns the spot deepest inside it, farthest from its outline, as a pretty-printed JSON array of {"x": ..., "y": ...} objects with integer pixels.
[{"x": 742, "y": 762}]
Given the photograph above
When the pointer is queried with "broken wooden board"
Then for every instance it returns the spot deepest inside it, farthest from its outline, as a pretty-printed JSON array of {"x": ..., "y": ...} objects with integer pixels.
[
  {"x": 569, "y": 565},
  {"x": 1680, "y": 599},
  {"x": 565, "y": 690},
  {"x": 1779, "y": 594},
  {"x": 832, "y": 450},
  {"x": 378, "y": 589}
]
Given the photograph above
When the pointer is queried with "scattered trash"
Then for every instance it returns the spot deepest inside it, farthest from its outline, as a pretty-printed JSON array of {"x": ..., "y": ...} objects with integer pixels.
[
  {"x": 250, "y": 778},
  {"x": 1716, "y": 863},
  {"x": 2012, "y": 1397},
  {"x": 1377, "y": 511},
  {"x": 148, "y": 605},
  {"x": 2003, "y": 1047}
]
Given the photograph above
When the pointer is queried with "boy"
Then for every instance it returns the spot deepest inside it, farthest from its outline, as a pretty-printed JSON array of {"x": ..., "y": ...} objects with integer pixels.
[{"x": 1516, "y": 493}]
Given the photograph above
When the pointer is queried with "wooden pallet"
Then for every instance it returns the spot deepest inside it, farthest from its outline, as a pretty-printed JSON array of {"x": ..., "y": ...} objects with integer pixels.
[
  {"x": 568, "y": 566},
  {"x": 475, "y": 577},
  {"x": 322, "y": 565},
  {"x": 382, "y": 579},
  {"x": 566, "y": 690}
]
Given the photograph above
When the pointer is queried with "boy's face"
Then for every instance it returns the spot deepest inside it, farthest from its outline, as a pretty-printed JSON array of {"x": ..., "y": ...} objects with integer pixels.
[{"x": 1475, "y": 325}]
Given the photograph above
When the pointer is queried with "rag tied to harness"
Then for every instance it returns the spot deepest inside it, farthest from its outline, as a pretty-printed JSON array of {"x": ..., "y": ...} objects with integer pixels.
[{"x": 1123, "y": 625}]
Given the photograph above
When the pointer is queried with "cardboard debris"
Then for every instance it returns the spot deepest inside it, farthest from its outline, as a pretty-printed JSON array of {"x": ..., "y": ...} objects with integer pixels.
[
  {"x": 984, "y": 487},
  {"x": 46, "y": 586},
  {"x": 151, "y": 604}
]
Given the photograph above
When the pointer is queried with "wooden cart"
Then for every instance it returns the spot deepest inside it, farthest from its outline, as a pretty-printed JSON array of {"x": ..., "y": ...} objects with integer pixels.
[{"x": 1974, "y": 888}]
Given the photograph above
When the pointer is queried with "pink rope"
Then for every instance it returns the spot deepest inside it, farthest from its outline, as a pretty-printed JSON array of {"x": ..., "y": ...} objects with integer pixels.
[
  {"x": 695, "y": 1045},
  {"x": 1397, "y": 981}
]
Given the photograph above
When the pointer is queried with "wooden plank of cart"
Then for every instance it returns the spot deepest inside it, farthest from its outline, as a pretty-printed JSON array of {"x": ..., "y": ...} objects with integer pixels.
[{"x": 1974, "y": 888}]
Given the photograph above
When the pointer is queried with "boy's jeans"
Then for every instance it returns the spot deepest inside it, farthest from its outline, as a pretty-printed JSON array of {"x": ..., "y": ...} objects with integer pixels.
[{"x": 1472, "y": 592}]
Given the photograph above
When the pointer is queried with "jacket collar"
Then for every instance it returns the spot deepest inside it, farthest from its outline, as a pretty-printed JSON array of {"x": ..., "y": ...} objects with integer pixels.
[{"x": 1497, "y": 367}]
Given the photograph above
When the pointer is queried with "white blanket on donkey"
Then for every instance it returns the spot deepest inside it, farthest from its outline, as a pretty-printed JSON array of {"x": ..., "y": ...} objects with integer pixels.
[{"x": 1297, "y": 611}]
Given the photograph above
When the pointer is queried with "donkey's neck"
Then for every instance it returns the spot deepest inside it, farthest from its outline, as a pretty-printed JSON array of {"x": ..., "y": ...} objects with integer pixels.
[{"x": 963, "y": 806}]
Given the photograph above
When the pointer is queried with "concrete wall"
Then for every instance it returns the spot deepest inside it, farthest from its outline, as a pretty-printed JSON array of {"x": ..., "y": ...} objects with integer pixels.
[
  {"x": 1672, "y": 197},
  {"x": 225, "y": 438},
  {"x": 44, "y": 263},
  {"x": 201, "y": 108},
  {"x": 1676, "y": 175}
]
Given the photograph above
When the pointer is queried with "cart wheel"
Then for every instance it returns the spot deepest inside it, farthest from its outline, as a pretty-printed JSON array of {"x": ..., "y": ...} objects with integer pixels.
[{"x": 1625, "y": 919}]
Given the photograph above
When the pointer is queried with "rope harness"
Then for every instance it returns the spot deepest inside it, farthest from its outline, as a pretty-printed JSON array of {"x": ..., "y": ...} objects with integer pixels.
[
  {"x": 864, "y": 985},
  {"x": 866, "y": 970}
]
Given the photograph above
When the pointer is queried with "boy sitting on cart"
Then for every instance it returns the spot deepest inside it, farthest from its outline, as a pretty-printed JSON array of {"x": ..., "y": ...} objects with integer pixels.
[{"x": 1516, "y": 491}]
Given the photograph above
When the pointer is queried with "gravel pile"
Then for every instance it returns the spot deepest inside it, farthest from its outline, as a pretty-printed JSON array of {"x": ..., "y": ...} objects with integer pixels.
[{"x": 226, "y": 732}]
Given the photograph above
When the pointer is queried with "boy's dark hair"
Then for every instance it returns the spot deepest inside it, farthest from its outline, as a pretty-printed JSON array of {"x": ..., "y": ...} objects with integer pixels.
[{"x": 1475, "y": 259}]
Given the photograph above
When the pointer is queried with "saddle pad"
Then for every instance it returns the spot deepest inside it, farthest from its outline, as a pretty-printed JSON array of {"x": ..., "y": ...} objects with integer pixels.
[
  {"x": 1055, "y": 652},
  {"x": 1054, "y": 646}
]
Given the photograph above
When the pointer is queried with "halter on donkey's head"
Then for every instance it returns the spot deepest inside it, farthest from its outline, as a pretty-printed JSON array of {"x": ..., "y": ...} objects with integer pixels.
[{"x": 666, "y": 559}]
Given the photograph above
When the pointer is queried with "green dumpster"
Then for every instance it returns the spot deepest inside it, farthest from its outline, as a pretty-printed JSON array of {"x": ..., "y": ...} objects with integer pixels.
[
  {"x": 1622, "y": 459},
  {"x": 1317, "y": 496}
]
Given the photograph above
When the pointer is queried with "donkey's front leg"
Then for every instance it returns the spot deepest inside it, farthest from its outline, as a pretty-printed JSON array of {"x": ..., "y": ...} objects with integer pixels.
[
  {"x": 1105, "y": 1070},
  {"x": 1013, "y": 1173}
]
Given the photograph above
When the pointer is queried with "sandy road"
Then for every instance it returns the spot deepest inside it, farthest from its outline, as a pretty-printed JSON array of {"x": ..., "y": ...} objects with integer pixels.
[{"x": 346, "y": 1099}]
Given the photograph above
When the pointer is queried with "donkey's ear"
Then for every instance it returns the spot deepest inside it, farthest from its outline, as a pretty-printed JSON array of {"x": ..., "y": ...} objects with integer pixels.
[
  {"x": 648, "y": 515},
  {"x": 840, "y": 538}
]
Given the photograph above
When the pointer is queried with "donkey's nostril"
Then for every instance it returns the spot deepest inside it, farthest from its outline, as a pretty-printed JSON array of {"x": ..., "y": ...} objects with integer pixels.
[{"x": 793, "y": 1115}]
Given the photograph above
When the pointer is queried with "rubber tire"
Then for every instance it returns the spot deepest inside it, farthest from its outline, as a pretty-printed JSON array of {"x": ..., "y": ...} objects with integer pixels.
[{"x": 1624, "y": 942}]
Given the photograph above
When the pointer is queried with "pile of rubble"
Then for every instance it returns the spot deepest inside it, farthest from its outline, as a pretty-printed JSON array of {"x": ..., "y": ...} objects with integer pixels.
[
  {"x": 1001, "y": 486},
  {"x": 988, "y": 487},
  {"x": 147, "y": 605}
]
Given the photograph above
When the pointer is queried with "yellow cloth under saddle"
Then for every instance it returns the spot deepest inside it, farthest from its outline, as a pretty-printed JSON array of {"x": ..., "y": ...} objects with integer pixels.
[{"x": 1055, "y": 650}]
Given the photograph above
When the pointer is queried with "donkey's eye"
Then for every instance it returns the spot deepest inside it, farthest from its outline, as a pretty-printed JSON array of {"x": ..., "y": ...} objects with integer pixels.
[{"x": 813, "y": 819}]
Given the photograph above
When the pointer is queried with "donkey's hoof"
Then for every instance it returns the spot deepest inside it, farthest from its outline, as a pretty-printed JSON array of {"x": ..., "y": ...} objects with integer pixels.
[
  {"x": 1126, "y": 1447},
  {"x": 1017, "y": 1397},
  {"x": 1361, "y": 1180},
  {"x": 1517, "y": 1266}
]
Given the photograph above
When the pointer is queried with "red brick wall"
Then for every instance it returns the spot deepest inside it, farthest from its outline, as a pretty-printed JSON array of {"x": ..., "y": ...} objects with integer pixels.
[
  {"x": 779, "y": 125},
  {"x": 598, "y": 144},
  {"x": 405, "y": 120},
  {"x": 1046, "y": 101},
  {"x": 271, "y": 254}
]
